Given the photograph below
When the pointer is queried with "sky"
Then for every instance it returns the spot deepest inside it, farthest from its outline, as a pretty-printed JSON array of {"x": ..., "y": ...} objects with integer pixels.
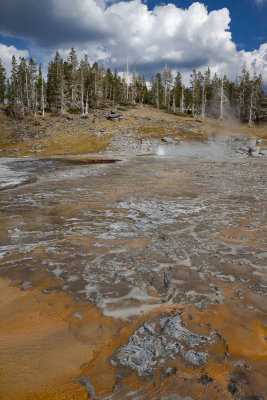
[{"x": 181, "y": 34}]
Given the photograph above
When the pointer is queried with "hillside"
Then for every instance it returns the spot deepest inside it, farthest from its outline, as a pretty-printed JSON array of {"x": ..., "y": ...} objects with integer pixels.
[{"x": 76, "y": 134}]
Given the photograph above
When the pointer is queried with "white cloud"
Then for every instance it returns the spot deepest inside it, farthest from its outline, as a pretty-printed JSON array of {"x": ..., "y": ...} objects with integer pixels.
[
  {"x": 6, "y": 53},
  {"x": 181, "y": 38}
]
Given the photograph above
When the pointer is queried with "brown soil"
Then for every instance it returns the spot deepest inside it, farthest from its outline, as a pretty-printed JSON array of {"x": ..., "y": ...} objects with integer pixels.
[{"x": 56, "y": 135}]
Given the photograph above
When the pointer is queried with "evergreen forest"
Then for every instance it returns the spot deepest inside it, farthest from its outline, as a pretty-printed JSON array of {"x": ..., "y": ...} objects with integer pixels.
[{"x": 76, "y": 87}]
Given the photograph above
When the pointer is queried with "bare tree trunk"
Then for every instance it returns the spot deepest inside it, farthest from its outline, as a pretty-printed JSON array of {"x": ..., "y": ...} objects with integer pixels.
[
  {"x": 82, "y": 101},
  {"x": 250, "y": 122},
  {"x": 86, "y": 103},
  {"x": 27, "y": 90},
  {"x": 142, "y": 100},
  {"x": 42, "y": 94},
  {"x": 173, "y": 104},
  {"x": 127, "y": 72},
  {"x": 22, "y": 103},
  {"x": 36, "y": 103},
  {"x": 62, "y": 100},
  {"x": 203, "y": 108},
  {"x": 157, "y": 93},
  {"x": 221, "y": 105},
  {"x": 193, "y": 99},
  {"x": 182, "y": 101}
]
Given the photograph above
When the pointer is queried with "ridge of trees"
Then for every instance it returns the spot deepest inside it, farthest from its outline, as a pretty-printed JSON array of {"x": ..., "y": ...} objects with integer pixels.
[{"x": 73, "y": 86}]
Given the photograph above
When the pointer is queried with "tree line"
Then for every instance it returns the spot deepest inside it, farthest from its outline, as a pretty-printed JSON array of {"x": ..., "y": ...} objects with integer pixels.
[{"x": 73, "y": 86}]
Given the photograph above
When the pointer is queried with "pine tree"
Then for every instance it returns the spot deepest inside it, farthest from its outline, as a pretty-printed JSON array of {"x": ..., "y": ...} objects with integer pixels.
[
  {"x": 177, "y": 93},
  {"x": 41, "y": 90},
  {"x": 256, "y": 109},
  {"x": 208, "y": 91},
  {"x": 13, "y": 90},
  {"x": 32, "y": 73},
  {"x": 2, "y": 82},
  {"x": 56, "y": 85},
  {"x": 167, "y": 83},
  {"x": 214, "y": 108},
  {"x": 72, "y": 79},
  {"x": 70, "y": 85},
  {"x": 193, "y": 90},
  {"x": 244, "y": 94}
]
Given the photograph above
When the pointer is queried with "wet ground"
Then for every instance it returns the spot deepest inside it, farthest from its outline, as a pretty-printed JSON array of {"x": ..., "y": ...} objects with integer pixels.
[{"x": 143, "y": 278}]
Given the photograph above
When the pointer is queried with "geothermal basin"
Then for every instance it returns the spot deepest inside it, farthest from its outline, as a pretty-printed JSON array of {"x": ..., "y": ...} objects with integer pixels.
[{"x": 137, "y": 279}]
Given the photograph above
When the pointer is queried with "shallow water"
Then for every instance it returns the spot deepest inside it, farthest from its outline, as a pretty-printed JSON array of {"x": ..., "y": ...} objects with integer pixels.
[{"x": 136, "y": 239}]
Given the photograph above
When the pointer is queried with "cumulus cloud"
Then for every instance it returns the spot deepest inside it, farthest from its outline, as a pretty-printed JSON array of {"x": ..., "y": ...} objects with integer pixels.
[
  {"x": 6, "y": 53},
  {"x": 181, "y": 38}
]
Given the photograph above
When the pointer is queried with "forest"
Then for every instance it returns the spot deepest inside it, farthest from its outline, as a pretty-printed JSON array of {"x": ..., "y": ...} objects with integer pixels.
[{"x": 76, "y": 87}]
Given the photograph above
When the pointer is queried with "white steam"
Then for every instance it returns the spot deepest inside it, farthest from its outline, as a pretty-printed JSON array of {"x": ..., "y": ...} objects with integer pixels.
[{"x": 216, "y": 149}]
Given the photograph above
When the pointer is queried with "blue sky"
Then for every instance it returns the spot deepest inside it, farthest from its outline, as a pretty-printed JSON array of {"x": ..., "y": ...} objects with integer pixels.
[{"x": 220, "y": 33}]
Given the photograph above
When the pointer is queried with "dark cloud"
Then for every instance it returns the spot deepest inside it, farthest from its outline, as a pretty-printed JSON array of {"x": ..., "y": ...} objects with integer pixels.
[{"x": 40, "y": 21}]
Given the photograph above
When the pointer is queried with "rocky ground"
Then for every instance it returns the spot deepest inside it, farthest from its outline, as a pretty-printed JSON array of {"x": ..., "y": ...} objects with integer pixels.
[{"x": 119, "y": 130}]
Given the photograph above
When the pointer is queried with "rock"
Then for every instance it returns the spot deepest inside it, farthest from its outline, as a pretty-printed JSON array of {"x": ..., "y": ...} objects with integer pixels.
[
  {"x": 35, "y": 123},
  {"x": 253, "y": 151},
  {"x": 254, "y": 397},
  {"x": 196, "y": 358},
  {"x": 69, "y": 118},
  {"x": 166, "y": 280},
  {"x": 236, "y": 383},
  {"x": 205, "y": 380},
  {"x": 168, "y": 140},
  {"x": 170, "y": 371},
  {"x": 114, "y": 116},
  {"x": 251, "y": 142},
  {"x": 233, "y": 388},
  {"x": 184, "y": 128},
  {"x": 98, "y": 119},
  {"x": 258, "y": 141},
  {"x": 153, "y": 343}
]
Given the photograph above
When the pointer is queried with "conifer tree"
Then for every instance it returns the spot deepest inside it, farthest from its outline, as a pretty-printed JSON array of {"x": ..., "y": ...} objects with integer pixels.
[
  {"x": 13, "y": 97},
  {"x": 56, "y": 85},
  {"x": 193, "y": 89},
  {"x": 41, "y": 90},
  {"x": 2, "y": 82},
  {"x": 79, "y": 86},
  {"x": 167, "y": 83},
  {"x": 72, "y": 78},
  {"x": 32, "y": 73},
  {"x": 177, "y": 92}
]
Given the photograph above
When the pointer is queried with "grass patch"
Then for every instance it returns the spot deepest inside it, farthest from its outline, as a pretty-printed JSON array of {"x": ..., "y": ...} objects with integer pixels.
[
  {"x": 161, "y": 129},
  {"x": 79, "y": 144}
]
